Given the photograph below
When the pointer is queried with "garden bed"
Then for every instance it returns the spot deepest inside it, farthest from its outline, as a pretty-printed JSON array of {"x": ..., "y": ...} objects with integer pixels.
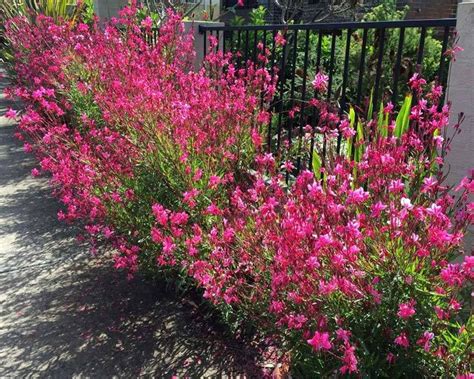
[{"x": 342, "y": 266}]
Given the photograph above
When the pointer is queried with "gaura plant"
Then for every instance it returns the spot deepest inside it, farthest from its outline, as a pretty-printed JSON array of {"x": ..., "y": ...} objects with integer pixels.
[{"x": 346, "y": 270}]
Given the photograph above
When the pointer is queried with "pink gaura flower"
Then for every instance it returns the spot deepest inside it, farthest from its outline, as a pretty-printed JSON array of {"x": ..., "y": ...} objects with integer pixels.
[
  {"x": 357, "y": 196},
  {"x": 147, "y": 22},
  {"x": 452, "y": 275},
  {"x": 349, "y": 359},
  {"x": 402, "y": 340},
  {"x": 320, "y": 82},
  {"x": 425, "y": 340},
  {"x": 280, "y": 39},
  {"x": 390, "y": 358},
  {"x": 320, "y": 341},
  {"x": 406, "y": 310},
  {"x": 160, "y": 213},
  {"x": 10, "y": 113}
]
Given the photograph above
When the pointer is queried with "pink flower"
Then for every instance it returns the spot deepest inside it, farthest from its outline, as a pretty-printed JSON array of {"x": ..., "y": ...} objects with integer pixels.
[
  {"x": 402, "y": 340},
  {"x": 214, "y": 181},
  {"x": 416, "y": 82},
  {"x": 452, "y": 275},
  {"x": 465, "y": 376},
  {"x": 429, "y": 184},
  {"x": 346, "y": 129},
  {"x": 390, "y": 358},
  {"x": 179, "y": 218},
  {"x": 160, "y": 213},
  {"x": 406, "y": 310},
  {"x": 357, "y": 196},
  {"x": 279, "y": 39},
  {"x": 156, "y": 235},
  {"x": 320, "y": 341},
  {"x": 10, "y": 113},
  {"x": 288, "y": 166},
  {"x": 349, "y": 359},
  {"x": 35, "y": 172},
  {"x": 343, "y": 335},
  {"x": 377, "y": 208},
  {"x": 425, "y": 341},
  {"x": 190, "y": 196},
  {"x": 147, "y": 22},
  {"x": 388, "y": 108},
  {"x": 320, "y": 82},
  {"x": 406, "y": 203},
  {"x": 168, "y": 245}
]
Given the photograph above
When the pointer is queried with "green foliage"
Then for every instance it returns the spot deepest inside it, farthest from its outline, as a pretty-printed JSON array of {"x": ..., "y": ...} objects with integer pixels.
[
  {"x": 403, "y": 118},
  {"x": 237, "y": 21},
  {"x": 257, "y": 15},
  {"x": 8, "y": 9},
  {"x": 87, "y": 13},
  {"x": 316, "y": 164},
  {"x": 58, "y": 9}
]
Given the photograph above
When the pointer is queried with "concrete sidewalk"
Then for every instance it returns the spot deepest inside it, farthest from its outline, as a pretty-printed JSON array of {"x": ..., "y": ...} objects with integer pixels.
[{"x": 64, "y": 314}]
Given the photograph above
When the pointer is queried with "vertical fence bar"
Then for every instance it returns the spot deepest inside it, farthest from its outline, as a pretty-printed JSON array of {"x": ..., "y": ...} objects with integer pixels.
[
  {"x": 315, "y": 115},
  {"x": 303, "y": 98},
  {"x": 421, "y": 48},
  {"x": 239, "y": 38},
  {"x": 255, "y": 45},
  {"x": 215, "y": 34},
  {"x": 442, "y": 66},
  {"x": 378, "y": 74},
  {"x": 246, "y": 47},
  {"x": 398, "y": 62},
  {"x": 280, "y": 99},
  {"x": 205, "y": 43},
  {"x": 272, "y": 64},
  {"x": 223, "y": 42},
  {"x": 345, "y": 77},
  {"x": 442, "y": 63},
  {"x": 264, "y": 41},
  {"x": 331, "y": 64},
  {"x": 318, "y": 50},
  {"x": 362, "y": 65},
  {"x": 292, "y": 93},
  {"x": 231, "y": 37}
]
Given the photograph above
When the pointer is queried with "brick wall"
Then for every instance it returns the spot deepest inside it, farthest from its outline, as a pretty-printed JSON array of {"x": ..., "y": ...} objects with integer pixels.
[{"x": 426, "y": 9}]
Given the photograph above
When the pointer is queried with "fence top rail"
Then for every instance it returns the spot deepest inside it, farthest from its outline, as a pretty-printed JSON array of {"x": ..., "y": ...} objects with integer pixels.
[{"x": 442, "y": 22}]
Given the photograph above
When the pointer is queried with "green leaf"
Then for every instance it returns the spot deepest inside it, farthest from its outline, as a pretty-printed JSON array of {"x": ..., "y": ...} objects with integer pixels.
[
  {"x": 371, "y": 105},
  {"x": 359, "y": 149},
  {"x": 350, "y": 141},
  {"x": 403, "y": 118},
  {"x": 382, "y": 122},
  {"x": 317, "y": 163}
]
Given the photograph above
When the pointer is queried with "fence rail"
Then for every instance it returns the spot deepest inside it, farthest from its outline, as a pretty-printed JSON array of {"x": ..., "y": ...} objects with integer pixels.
[{"x": 364, "y": 61}]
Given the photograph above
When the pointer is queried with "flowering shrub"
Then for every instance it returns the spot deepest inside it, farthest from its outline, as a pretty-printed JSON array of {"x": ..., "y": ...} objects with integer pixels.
[{"x": 348, "y": 270}]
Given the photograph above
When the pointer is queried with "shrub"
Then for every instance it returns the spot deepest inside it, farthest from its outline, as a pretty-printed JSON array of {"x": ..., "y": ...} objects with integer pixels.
[{"x": 346, "y": 270}]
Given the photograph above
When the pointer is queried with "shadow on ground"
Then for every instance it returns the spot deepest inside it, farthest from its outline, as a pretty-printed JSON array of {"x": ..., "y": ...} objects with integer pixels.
[
  {"x": 64, "y": 313},
  {"x": 95, "y": 323}
]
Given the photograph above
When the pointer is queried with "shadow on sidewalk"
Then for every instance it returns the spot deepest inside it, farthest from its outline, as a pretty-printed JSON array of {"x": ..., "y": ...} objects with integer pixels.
[{"x": 64, "y": 313}]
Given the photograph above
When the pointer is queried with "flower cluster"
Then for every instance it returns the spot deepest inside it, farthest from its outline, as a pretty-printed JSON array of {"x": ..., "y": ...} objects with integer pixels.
[{"x": 348, "y": 268}]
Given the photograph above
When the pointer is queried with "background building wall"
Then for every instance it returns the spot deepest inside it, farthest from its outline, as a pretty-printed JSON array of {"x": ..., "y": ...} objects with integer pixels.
[
  {"x": 106, "y": 9},
  {"x": 430, "y": 8}
]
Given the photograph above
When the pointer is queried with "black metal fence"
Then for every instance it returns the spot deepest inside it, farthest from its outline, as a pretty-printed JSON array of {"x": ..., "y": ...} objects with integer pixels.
[{"x": 364, "y": 60}]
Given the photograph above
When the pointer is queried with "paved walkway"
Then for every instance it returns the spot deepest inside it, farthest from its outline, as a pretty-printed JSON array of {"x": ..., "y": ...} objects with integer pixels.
[{"x": 64, "y": 314}]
